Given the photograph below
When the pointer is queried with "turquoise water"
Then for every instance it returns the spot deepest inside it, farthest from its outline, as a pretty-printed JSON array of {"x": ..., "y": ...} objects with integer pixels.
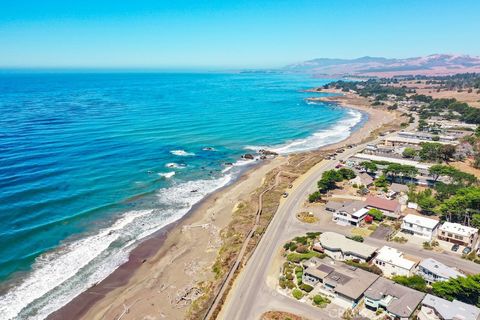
[{"x": 92, "y": 163}]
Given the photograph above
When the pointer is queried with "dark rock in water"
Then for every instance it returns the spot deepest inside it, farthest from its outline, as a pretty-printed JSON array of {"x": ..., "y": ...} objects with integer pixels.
[
  {"x": 248, "y": 156},
  {"x": 195, "y": 190},
  {"x": 263, "y": 157},
  {"x": 228, "y": 164},
  {"x": 208, "y": 149},
  {"x": 267, "y": 152}
]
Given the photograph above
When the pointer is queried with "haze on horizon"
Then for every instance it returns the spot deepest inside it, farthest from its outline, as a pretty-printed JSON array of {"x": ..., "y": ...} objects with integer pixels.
[{"x": 228, "y": 34}]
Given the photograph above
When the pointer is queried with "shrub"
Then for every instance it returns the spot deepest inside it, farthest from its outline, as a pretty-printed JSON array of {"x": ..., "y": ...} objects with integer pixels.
[
  {"x": 297, "y": 257},
  {"x": 400, "y": 239},
  {"x": 313, "y": 235},
  {"x": 302, "y": 249},
  {"x": 298, "y": 269},
  {"x": 301, "y": 240},
  {"x": 376, "y": 214},
  {"x": 290, "y": 284},
  {"x": 427, "y": 246},
  {"x": 320, "y": 301},
  {"x": 305, "y": 287},
  {"x": 293, "y": 246},
  {"x": 314, "y": 197},
  {"x": 365, "y": 266},
  {"x": 297, "y": 294},
  {"x": 357, "y": 238},
  {"x": 289, "y": 276}
]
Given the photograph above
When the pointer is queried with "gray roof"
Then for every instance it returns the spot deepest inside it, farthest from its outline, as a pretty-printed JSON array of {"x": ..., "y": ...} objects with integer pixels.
[
  {"x": 365, "y": 178},
  {"x": 337, "y": 242},
  {"x": 319, "y": 272},
  {"x": 353, "y": 206},
  {"x": 451, "y": 310},
  {"x": 405, "y": 300},
  {"x": 439, "y": 268},
  {"x": 334, "y": 205},
  {"x": 350, "y": 281},
  {"x": 397, "y": 187}
]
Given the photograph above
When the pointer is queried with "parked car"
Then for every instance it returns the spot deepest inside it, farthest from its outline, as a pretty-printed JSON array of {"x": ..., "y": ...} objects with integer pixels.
[
  {"x": 455, "y": 247},
  {"x": 466, "y": 250}
]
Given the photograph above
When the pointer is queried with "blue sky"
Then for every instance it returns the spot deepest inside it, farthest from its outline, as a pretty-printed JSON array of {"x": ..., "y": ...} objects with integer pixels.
[{"x": 228, "y": 34}]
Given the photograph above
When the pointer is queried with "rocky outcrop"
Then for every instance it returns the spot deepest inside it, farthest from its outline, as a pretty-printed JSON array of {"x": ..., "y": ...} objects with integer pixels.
[{"x": 266, "y": 152}]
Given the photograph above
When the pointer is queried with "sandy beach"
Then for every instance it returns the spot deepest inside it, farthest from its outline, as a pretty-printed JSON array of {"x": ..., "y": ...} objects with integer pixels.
[{"x": 170, "y": 270}]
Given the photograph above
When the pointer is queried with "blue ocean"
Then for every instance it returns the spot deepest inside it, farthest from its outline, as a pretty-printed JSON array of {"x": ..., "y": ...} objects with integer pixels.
[{"x": 90, "y": 164}]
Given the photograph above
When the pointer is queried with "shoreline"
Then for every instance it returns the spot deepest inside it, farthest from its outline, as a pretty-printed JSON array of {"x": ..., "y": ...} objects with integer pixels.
[{"x": 130, "y": 287}]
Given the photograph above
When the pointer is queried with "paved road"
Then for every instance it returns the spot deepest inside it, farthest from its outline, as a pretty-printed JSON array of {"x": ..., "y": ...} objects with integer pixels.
[{"x": 250, "y": 295}]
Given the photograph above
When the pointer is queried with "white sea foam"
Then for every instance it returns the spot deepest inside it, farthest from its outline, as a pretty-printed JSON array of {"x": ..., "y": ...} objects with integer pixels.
[
  {"x": 338, "y": 132},
  {"x": 182, "y": 153},
  {"x": 61, "y": 275},
  {"x": 167, "y": 175},
  {"x": 175, "y": 165}
]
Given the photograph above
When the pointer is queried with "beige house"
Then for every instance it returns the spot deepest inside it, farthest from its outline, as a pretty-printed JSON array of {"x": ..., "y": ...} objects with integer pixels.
[{"x": 459, "y": 234}]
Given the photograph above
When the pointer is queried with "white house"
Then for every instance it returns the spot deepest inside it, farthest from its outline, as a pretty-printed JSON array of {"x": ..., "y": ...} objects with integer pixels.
[
  {"x": 432, "y": 271},
  {"x": 351, "y": 214},
  {"x": 393, "y": 263},
  {"x": 435, "y": 308},
  {"x": 420, "y": 226},
  {"x": 459, "y": 234}
]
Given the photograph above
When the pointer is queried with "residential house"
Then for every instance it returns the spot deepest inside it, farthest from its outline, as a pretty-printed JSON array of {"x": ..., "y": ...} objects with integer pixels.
[
  {"x": 425, "y": 136},
  {"x": 393, "y": 263},
  {"x": 390, "y": 208},
  {"x": 435, "y": 308},
  {"x": 362, "y": 179},
  {"x": 420, "y": 226},
  {"x": 340, "y": 248},
  {"x": 398, "y": 301},
  {"x": 422, "y": 167},
  {"x": 352, "y": 213},
  {"x": 340, "y": 281},
  {"x": 397, "y": 189},
  {"x": 416, "y": 138},
  {"x": 333, "y": 206},
  {"x": 432, "y": 271},
  {"x": 459, "y": 234}
]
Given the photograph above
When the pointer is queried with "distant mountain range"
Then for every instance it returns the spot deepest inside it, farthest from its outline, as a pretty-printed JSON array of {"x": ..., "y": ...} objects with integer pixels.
[{"x": 435, "y": 64}]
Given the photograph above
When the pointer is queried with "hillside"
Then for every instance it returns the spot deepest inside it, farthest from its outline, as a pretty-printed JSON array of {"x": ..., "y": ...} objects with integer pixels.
[{"x": 436, "y": 64}]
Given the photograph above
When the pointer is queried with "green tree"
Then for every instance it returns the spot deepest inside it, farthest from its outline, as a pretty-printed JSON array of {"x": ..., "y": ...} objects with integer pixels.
[
  {"x": 369, "y": 166},
  {"x": 409, "y": 153},
  {"x": 347, "y": 174},
  {"x": 462, "y": 206},
  {"x": 465, "y": 289},
  {"x": 315, "y": 197},
  {"x": 446, "y": 152},
  {"x": 415, "y": 282},
  {"x": 430, "y": 151},
  {"x": 476, "y": 220},
  {"x": 381, "y": 182},
  {"x": 376, "y": 214}
]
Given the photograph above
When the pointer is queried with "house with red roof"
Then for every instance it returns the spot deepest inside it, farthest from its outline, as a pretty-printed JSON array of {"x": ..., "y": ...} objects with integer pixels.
[{"x": 390, "y": 208}]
